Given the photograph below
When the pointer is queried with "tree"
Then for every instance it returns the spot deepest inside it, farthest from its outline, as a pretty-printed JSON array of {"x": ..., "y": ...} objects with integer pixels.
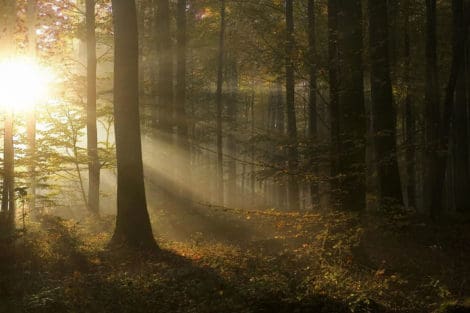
[
  {"x": 410, "y": 115},
  {"x": 431, "y": 110},
  {"x": 92, "y": 135},
  {"x": 312, "y": 100},
  {"x": 460, "y": 34},
  {"x": 333, "y": 73},
  {"x": 383, "y": 111},
  {"x": 459, "y": 134},
  {"x": 31, "y": 12},
  {"x": 133, "y": 227},
  {"x": 292, "y": 154},
  {"x": 218, "y": 100},
  {"x": 7, "y": 46},
  {"x": 165, "y": 71},
  {"x": 352, "y": 121},
  {"x": 180, "y": 95}
]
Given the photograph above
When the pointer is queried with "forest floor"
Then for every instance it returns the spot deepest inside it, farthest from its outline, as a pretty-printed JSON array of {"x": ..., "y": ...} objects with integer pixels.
[{"x": 214, "y": 260}]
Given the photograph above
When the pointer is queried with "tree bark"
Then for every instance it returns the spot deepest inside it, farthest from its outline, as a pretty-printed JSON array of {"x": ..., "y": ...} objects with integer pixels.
[
  {"x": 312, "y": 100},
  {"x": 7, "y": 49},
  {"x": 383, "y": 110},
  {"x": 292, "y": 153},
  {"x": 410, "y": 129},
  {"x": 459, "y": 122},
  {"x": 31, "y": 13},
  {"x": 333, "y": 73},
  {"x": 232, "y": 111},
  {"x": 219, "y": 105},
  {"x": 180, "y": 96},
  {"x": 165, "y": 75},
  {"x": 431, "y": 112},
  {"x": 460, "y": 35},
  {"x": 92, "y": 133},
  {"x": 352, "y": 120},
  {"x": 133, "y": 227}
]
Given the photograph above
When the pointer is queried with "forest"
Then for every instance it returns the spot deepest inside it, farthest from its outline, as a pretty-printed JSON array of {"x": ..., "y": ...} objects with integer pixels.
[{"x": 246, "y": 156}]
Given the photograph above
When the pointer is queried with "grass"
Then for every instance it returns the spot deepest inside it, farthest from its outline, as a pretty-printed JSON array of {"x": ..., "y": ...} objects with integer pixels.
[{"x": 257, "y": 261}]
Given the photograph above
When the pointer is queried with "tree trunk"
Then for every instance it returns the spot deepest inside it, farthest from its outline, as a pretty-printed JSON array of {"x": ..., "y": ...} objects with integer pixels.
[
  {"x": 165, "y": 76},
  {"x": 459, "y": 122},
  {"x": 383, "y": 110},
  {"x": 180, "y": 96},
  {"x": 232, "y": 111},
  {"x": 410, "y": 128},
  {"x": 312, "y": 100},
  {"x": 92, "y": 134},
  {"x": 8, "y": 195},
  {"x": 219, "y": 105},
  {"x": 460, "y": 34},
  {"x": 7, "y": 49},
  {"x": 31, "y": 13},
  {"x": 431, "y": 111},
  {"x": 133, "y": 227},
  {"x": 352, "y": 120},
  {"x": 333, "y": 72},
  {"x": 292, "y": 154}
]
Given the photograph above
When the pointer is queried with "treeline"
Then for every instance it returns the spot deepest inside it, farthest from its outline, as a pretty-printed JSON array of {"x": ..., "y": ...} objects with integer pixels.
[
  {"x": 291, "y": 100},
  {"x": 296, "y": 105}
]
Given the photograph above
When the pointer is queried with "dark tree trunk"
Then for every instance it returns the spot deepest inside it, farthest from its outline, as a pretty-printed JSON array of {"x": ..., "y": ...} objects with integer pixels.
[
  {"x": 312, "y": 104},
  {"x": 431, "y": 111},
  {"x": 7, "y": 48},
  {"x": 460, "y": 34},
  {"x": 31, "y": 12},
  {"x": 333, "y": 73},
  {"x": 292, "y": 154},
  {"x": 219, "y": 105},
  {"x": 165, "y": 74},
  {"x": 133, "y": 227},
  {"x": 8, "y": 195},
  {"x": 92, "y": 134},
  {"x": 410, "y": 128},
  {"x": 352, "y": 121},
  {"x": 180, "y": 96},
  {"x": 232, "y": 111},
  {"x": 459, "y": 122},
  {"x": 383, "y": 110}
]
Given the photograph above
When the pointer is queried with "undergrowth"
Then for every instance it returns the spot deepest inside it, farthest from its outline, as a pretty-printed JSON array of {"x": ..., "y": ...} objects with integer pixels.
[{"x": 336, "y": 262}]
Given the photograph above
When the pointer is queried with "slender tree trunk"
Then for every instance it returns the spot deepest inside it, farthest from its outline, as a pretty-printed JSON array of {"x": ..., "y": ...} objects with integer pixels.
[
  {"x": 219, "y": 105},
  {"x": 333, "y": 73},
  {"x": 383, "y": 110},
  {"x": 292, "y": 154},
  {"x": 352, "y": 119},
  {"x": 459, "y": 122},
  {"x": 180, "y": 96},
  {"x": 8, "y": 197},
  {"x": 252, "y": 147},
  {"x": 7, "y": 49},
  {"x": 312, "y": 104},
  {"x": 133, "y": 227},
  {"x": 410, "y": 154},
  {"x": 431, "y": 112},
  {"x": 92, "y": 133},
  {"x": 165, "y": 76},
  {"x": 232, "y": 111},
  {"x": 31, "y": 12}
]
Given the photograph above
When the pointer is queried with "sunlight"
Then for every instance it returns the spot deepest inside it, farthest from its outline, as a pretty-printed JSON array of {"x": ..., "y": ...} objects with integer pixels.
[{"x": 23, "y": 82}]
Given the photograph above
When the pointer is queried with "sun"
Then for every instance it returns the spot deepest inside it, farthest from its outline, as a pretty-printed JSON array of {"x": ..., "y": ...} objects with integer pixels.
[{"x": 23, "y": 83}]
